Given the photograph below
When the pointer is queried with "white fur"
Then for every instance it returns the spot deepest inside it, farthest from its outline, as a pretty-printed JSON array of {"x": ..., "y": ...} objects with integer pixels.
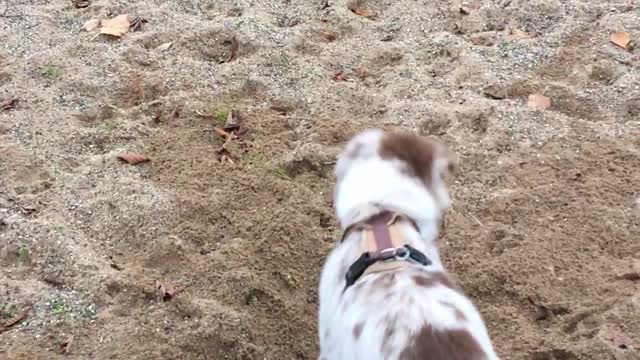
[{"x": 366, "y": 185}]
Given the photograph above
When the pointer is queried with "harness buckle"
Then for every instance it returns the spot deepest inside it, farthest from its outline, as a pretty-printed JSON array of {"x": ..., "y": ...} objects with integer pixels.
[{"x": 397, "y": 253}]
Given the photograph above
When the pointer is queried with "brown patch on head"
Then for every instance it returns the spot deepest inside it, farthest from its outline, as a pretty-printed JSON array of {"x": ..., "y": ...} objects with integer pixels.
[
  {"x": 460, "y": 316},
  {"x": 433, "y": 344},
  {"x": 357, "y": 330},
  {"x": 417, "y": 152}
]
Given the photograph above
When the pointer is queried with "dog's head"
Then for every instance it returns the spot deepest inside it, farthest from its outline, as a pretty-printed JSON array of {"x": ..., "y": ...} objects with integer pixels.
[{"x": 390, "y": 161}]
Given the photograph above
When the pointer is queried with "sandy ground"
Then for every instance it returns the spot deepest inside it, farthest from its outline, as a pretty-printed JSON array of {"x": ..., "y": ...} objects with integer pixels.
[{"x": 545, "y": 208}]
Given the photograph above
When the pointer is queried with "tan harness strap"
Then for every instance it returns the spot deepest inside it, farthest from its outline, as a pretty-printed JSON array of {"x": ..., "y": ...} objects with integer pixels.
[{"x": 382, "y": 233}]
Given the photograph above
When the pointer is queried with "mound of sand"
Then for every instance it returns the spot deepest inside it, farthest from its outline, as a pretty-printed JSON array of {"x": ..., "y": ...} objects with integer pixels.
[{"x": 544, "y": 210}]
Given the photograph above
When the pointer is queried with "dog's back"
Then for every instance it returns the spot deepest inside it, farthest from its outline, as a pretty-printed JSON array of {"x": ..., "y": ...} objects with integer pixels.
[{"x": 416, "y": 311}]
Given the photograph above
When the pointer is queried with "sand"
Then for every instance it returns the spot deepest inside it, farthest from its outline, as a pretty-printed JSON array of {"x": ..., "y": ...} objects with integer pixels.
[{"x": 545, "y": 211}]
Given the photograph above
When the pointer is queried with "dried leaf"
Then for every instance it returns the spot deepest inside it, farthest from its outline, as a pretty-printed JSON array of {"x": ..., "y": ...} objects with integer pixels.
[
  {"x": 233, "y": 49},
  {"x": 115, "y": 266},
  {"x": 165, "y": 293},
  {"x": 27, "y": 210},
  {"x": 468, "y": 8},
  {"x": 465, "y": 10},
  {"x": 232, "y": 130},
  {"x": 136, "y": 23},
  {"x": 222, "y": 133},
  {"x": 7, "y": 325},
  {"x": 619, "y": 339},
  {"x": 282, "y": 109},
  {"x": 539, "y": 102},
  {"x": 233, "y": 125},
  {"x": 362, "y": 72},
  {"x": 357, "y": 7},
  {"x": 621, "y": 39},
  {"x": 8, "y": 104},
  {"x": 164, "y": 47},
  {"x": 133, "y": 159},
  {"x": 522, "y": 34},
  {"x": 340, "y": 76},
  {"x": 79, "y": 4},
  {"x": 328, "y": 35},
  {"x": 92, "y": 24},
  {"x": 631, "y": 276},
  {"x": 118, "y": 26}
]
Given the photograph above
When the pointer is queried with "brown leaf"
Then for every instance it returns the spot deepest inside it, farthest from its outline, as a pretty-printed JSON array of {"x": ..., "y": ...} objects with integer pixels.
[
  {"x": 362, "y": 72},
  {"x": 465, "y": 10},
  {"x": 631, "y": 276},
  {"x": 7, "y": 325},
  {"x": 468, "y": 8},
  {"x": 164, "y": 47},
  {"x": 539, "y": 102},
  {"x": 282, "y": 109},
  {"x": 234, "y": 45},
  {"x": 167, "y": 293},
  {"x": 619, "y": 339},
  {"x": 522, "y": 34},
  {"x": 79, "y": 4},
  {"x": 27, "y": 210},
  {"x": 234, "y": 126},
  {"x": 357, "y": 7},
  {"x": 91, "y": 24},
  {"x": 133, "y": 159},
  {"x": 223, "y": 134},
  {"x": 621, "y": 39},
  {"x": 340, "y": 76},
  {"x": 115, "y": 266},
  {"x": 8, "y": 104},
  {"x": 118, "y": 26},
  {"x": 231, "y": 124},
  {"x": 328, "y": 35},
  {"x": 136, "y": 23}
]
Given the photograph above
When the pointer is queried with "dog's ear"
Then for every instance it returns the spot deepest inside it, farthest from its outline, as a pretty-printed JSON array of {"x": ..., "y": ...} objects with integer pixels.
[{"x": 360, "y": 147}]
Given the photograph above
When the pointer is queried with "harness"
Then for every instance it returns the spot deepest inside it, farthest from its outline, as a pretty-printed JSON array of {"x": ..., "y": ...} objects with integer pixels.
[{"x": 382, "y": 246}]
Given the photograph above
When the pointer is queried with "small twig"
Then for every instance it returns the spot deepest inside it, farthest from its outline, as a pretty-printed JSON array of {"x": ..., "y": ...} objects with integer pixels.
[
  {"x": 505, "y": 3},
  {"x": 252, "y": 188},
  {"x": 15, "y": 321},
  {"x": 204, "y": 115},
  {"x": 476, "y": 219}
]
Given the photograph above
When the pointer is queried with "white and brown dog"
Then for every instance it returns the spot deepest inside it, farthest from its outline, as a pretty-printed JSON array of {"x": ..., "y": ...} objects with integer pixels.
[{"x": 384, "y": 293}]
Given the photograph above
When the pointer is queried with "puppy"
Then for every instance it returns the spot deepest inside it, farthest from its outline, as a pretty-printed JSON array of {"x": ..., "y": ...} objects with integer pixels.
[{"x": 384, "y": 293}]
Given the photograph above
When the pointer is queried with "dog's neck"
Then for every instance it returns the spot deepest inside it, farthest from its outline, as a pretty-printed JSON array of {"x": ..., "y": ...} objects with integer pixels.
[{"x": 376, "y": 186}]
